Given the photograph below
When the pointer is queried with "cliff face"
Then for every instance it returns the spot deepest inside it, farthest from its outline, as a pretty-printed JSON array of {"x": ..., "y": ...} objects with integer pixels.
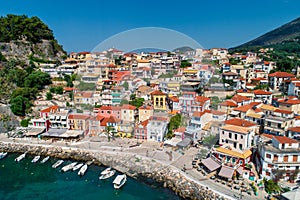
[{"x": 22, "y": 49}]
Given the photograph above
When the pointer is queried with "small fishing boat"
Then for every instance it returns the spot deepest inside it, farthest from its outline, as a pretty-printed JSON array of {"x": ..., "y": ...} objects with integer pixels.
[
  {"x": 45, "y": 159},
  {"x": 77, "y": 166},
  {"x": 83, "y": 170},
  {"x": 2, "y": 155},
  {"x": 107, "y": 173},
  {"x": 119, "y": 181},
  {"x": 68, "y": 167},
  {"x": 57, "y": 164},
  {"x": 35, "y": 159},
  {"x": 21, "y": 157}
]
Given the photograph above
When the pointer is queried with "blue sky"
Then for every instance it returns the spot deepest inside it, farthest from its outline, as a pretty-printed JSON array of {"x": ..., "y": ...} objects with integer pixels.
[{"x": 81, "y": 25}]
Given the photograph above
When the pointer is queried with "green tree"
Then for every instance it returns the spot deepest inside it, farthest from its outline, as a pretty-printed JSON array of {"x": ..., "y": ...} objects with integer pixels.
[
  {"x": 271, "y": 186},
  {"x": 125, "y": 85},
  {"x": 19, "y": 105},
  {"x": 25, "y": 122},
  {"x": 185, "y": 63},
  {"x": 59, "y": 90},
  {"x": 37, "y": 79},
  {"x": 49, "y": 96},
  {"x": 137, "y": 102},
  {"x": 174, "y": 123},
  {"x": 210, "y": 141}
]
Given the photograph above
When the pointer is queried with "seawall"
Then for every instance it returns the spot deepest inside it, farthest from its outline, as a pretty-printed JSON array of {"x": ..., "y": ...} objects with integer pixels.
[{"x": 133, "y": 165}]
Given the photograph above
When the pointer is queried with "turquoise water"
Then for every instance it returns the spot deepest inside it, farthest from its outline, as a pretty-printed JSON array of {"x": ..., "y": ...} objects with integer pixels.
[{"x": 26, "y": 180}]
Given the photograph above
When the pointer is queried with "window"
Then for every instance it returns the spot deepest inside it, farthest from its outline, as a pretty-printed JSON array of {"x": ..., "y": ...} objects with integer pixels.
[
  {"x": 230, "y": 135},
  {"x": 222, "y": 132},
  {"x": 275, "y": 158},
  {"x": 234, "y": 145},
  {"x": 268, "y": 155},
  {"x": 242, "y": 136},
  {"x": 295, "y": 158},
  {"x": 268, "y": 174},
  {"x": 270, "y": 166},
  {"x": 285, "y": 158},
  {"x": 235, "y": 136},
  {"x": 241, "y": 146}
]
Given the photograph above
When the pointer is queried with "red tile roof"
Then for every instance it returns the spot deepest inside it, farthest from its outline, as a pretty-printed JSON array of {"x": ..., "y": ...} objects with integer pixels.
[
  {"x": 238, "y": 98},
  {"x": 51, "y": 109},
  {"x": 229, "y": 74},
  {"x": 180, "y": 129},
  {"x": 145, "y": 107},
  {"x": 247, "y": 107},
  {"x": 201, "y": 99},
  {"x": 295, "y": 129},
  {"x": 128, "y": 107},
  {"x": 158, "y": 118},
  {"x": 229, "y": 103},
  {"x": 199, "y": 114},
  {"x": 216, "y": 112},
  {"x": 289, "y": 101},
  {"x": 239, "y": 122},
  {"x": 284, "y": 140},
  {"x": 281, "y": 75},
  {"x": 157, "y": 92},
  {"x": 144, "y": 123},
  {"x": 267, "y": 135},
  {"x": 174, "y": 99},
  {"x": 283, "y": 111},
  {"x": 297, "y": 117},
  {"x": 261, "y": 92}
]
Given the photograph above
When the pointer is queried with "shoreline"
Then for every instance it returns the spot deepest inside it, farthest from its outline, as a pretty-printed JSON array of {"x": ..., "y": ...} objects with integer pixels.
[{"x": 134, "y": 165}]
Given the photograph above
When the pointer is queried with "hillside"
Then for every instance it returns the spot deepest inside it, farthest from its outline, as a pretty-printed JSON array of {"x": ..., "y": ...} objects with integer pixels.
[
  {"x": 284, "y": 37},
  {"x": 21, "y": 37}
]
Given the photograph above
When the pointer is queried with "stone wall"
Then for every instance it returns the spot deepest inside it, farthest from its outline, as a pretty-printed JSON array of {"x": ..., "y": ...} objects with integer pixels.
[{"x": 133, "y": 165}]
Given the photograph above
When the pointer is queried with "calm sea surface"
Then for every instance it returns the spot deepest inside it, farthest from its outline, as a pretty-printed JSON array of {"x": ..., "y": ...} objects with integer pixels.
[{"x": 26, "y": 180}]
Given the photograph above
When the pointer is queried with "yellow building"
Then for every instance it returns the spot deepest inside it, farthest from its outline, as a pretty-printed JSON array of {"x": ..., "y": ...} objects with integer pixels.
[
  {"x": 159, "y": 100},
  {"x": 145, "y": 112},
  {"x": 78, "y": 122}
]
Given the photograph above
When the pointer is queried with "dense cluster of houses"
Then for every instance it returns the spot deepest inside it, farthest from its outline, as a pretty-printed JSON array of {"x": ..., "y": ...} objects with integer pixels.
[{"x": 258, "y": 126}]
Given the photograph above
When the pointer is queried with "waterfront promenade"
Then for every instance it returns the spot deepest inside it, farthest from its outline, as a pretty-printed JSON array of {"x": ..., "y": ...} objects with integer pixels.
[{"x": 147, "y": 149}]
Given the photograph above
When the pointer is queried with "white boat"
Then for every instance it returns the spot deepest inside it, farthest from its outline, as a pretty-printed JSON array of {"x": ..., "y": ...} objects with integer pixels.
[
  {"x": 21, "y": 157},
  {"x": 45, "y": 159},
  {"x": 57, "y": 164},
  {"x": 83, "y": 170},
  {"x": 3, "y": 154},
  {"x": 68, "y": 167},
  {"x": 107, "y": 173},
  {"x": 35, "y": 159},
  {"x": 119, "y": 181},
  {"x": 77, "y": 166}
]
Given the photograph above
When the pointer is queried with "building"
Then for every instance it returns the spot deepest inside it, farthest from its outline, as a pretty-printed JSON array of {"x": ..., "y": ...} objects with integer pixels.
[
  {"x": 78, "y": 122},
  {"x": 128, "y": 113},
  {"x": 140, "y": 130},
  {"x": 159, "y": 100},
  {"x": 157, "y": 128},
  {"x": 276, "y": 80},
  {"x": 279, "y": 158},
  {"x": 145, "y": 112}
]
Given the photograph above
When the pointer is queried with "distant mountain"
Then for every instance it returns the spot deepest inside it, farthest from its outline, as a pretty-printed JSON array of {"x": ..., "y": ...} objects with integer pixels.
[
  {"x": 286, "y": 34},
  {"x": 183, "y": 49}
]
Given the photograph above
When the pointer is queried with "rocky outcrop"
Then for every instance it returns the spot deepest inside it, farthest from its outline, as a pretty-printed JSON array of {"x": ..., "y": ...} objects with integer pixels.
[
  {"x": 22, "y": 49},
  {"x": 133, "y": 165}
]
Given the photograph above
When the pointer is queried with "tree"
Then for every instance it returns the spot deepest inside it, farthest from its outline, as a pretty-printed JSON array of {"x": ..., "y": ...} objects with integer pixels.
[
  {"x": 19, "y": 105},
  {"x": 271, "y": 186},
  {"x": 25, "y": 122},
  {"x": 109, "y": 132},
  {"x": 37, "y": 79},
  {"x": 210, "y": 141},
  {"x": 185, "y": 63},
  {"x": 125, "y": 85},
  {"x": 137, "y": 102},
  {"x": 174, "y": 123},
  {"x": 49, "y": 96}
]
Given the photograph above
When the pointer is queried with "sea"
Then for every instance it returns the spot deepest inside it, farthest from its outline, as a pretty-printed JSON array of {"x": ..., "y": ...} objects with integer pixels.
[{"x": 26, "y": 180}]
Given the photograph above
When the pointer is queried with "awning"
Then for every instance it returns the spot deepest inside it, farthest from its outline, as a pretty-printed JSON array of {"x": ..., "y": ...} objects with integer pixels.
[
  {"x": 226, "y": 172},
  {"x": 35, "y": 131},
  {"x": 210, "y": 164}
]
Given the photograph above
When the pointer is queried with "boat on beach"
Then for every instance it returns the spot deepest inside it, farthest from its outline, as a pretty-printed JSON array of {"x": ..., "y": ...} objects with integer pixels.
[
  {"x": 2, "y": 155},
  {"x": 107, "y": 173},
  {"x": 35, "y": 159},
  {"x": 57, "y": 164},
  {"x": 45, "y": 159},
  {"x": 119, "y": 181},
  {"x": 21, "y": 157},
  {"x": 77, "y": 166},
  {"x": 68, "y": 167},
  {"x": 83, "y": 170}
]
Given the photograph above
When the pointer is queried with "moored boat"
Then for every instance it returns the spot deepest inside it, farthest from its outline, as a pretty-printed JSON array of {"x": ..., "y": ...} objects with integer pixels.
[
  {"x": 77, "y": 166},
  {"x": 21, "y": 157},
  {"x": 107, "y": 173},
  {"x": 35, "y": 159},
  {"x": 57, "y": 164},
  {"x": 68, "y": 167},
  {"x": 83, "y": 170},
  {"x": 119, "y": 181},
  {"x": 45, "y": 159},
  {"x": 2, "y": 155}
]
